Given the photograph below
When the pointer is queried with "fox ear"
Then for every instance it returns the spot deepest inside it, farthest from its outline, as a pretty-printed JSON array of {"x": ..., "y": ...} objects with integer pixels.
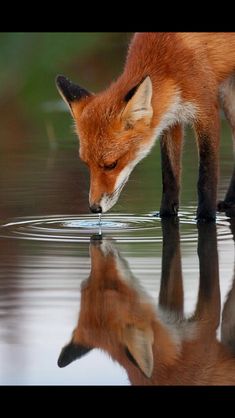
[
  {"x": 139, "y": 348},
  {"x": 72, "y": 352},
  {"x": 139, "y": 103},
  {"x": 70, "y": 92}
]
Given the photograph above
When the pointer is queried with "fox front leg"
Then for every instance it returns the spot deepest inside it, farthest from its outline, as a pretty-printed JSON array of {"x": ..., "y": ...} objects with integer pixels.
[
  {"x": 171, "y": 146},
  {"x": 208, "y": 149}
]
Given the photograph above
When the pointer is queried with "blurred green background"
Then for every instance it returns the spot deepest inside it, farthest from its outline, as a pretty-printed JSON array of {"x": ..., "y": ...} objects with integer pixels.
[
  {"x": 29, "y": 101},
  {"x": 40, "y": 169}
]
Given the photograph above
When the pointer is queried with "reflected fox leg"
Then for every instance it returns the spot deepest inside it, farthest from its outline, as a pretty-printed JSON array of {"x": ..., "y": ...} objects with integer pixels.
[
  {"x": 207, "y": 311},
  {"x": 227, "y": 97},
  {"x": 228, "y": 315},
  {"x": 171, "y": 145},
  {"x": 171, "y": 296}
]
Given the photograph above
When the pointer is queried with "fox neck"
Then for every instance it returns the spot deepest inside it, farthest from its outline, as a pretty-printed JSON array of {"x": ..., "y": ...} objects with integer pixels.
[{"x": 148, "y": 56}]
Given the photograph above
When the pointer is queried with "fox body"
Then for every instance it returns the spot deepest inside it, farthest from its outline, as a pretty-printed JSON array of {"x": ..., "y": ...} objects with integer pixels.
[
  {"x": 156, "y": 346},
  {"x": 169, "y": 80}
]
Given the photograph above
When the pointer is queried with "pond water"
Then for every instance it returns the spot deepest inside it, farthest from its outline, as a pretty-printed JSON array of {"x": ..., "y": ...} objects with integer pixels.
[{"x": 142, "y": 290}]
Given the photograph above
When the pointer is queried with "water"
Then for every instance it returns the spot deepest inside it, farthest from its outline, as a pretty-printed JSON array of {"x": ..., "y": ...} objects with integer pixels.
[{"x": 140, "y": 270}]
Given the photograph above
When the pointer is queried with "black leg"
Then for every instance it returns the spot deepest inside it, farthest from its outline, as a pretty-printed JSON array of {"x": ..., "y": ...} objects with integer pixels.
[
  {"x": 207, "y": 181},
  {"x": 228, "y": 204},
  {"x": 228, "y": 314},
  {"x": 227, "y": 101},
  {"x": 208, "y": 146},
  {"x": 171, "y": 296},
  {"x": 208, "y": 305},
  {"x": 171, "y": 145}
]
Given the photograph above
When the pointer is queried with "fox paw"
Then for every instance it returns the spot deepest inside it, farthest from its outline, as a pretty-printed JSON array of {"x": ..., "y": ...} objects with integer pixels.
[
  {"x": 205, "y": 214},
  {"x": 227, "y": 207},
  {"x": 168, "y": 211}
]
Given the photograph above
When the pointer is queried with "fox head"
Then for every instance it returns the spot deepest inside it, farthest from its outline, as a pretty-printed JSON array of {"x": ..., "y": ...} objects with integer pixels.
[
  {"x": 115, "y": 132},
  {"x": 115, "y": 314}
]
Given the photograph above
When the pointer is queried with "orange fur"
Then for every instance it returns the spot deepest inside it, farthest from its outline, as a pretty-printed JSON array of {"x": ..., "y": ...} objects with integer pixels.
[
  {"x": 186, "y": 71},
  {"x": 117, "y": 314}
]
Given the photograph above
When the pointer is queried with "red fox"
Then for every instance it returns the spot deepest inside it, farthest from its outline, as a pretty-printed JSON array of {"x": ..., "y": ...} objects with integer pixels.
[
  {"x": 169, "y": 80},
  {"x": 157, "y": 346}
]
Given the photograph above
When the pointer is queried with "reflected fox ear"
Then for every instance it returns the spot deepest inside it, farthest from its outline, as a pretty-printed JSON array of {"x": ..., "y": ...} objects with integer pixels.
[
  {"x": 72, "y": 352},
  {"x": 139, "y": 103},
  {"x": 139, "y": 348},
  {"x": 70, "y": 92}
]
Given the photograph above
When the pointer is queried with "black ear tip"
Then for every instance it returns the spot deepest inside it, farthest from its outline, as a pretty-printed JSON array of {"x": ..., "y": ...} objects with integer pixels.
[
  {"x": 61, "y": 363},
  {"x": 60, "y": 80},
  {"x": 69, "y": 90},
  {"x": 70, "y": 353}
]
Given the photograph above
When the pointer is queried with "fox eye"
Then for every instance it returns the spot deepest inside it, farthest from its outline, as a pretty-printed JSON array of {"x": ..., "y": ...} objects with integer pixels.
[{"x": 110, "y": 166}]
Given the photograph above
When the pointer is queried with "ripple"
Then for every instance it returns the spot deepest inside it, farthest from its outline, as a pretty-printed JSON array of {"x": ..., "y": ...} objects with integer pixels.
[
  {"x": 79, "y": 228},
  {"x": 79, "y": 223},
  {"x": 122, "y": 227}
]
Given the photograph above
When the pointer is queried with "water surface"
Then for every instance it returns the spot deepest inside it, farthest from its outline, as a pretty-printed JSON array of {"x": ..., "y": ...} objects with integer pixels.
[{"x": 46, "y": 257}]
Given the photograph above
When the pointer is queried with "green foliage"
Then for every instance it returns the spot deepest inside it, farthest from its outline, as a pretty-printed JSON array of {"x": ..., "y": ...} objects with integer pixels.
[
  {"x": 30, "y": 61},
  {"x": 28, "y": 66}
]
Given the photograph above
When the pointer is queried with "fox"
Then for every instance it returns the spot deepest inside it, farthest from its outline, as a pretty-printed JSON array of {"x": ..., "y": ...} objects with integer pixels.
[
  {"x": 169, "y": 80},
  {"x": 156, "y": 345}
]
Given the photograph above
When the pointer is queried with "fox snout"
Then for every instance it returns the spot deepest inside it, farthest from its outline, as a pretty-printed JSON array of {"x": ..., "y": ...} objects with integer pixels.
[
  {"x": 104, "y": 195},
  {"x": 102, "y": 247},
  {"x": 95, "y": 208},
  {"x": 104, "y": 202}
]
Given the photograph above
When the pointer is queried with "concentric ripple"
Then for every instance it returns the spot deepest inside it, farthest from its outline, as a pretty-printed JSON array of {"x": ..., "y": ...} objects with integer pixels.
[
  {"x": 79, "y": 228},
  {"x": 122, "y": 227}
]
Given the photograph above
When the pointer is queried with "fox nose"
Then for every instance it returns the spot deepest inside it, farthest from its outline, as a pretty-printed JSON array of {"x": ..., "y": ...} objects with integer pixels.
[{"x": 95, "y": 208}]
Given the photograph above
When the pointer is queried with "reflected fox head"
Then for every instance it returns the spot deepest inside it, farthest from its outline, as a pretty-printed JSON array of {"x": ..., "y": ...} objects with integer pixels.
[
  {"x": 157, "y": 346},
  {"x": 115, "y": 314},
  {"x": 115, "y": 132}
]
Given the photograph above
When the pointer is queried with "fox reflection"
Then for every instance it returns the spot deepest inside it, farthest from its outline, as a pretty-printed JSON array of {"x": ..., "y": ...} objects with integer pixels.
[{"x": 156, "y": 346}]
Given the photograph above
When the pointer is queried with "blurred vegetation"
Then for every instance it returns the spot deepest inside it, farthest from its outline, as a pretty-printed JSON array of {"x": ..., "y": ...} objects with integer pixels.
[
  {"x": 31, "y": 111},
  {"x": 33, "y": 118}
]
